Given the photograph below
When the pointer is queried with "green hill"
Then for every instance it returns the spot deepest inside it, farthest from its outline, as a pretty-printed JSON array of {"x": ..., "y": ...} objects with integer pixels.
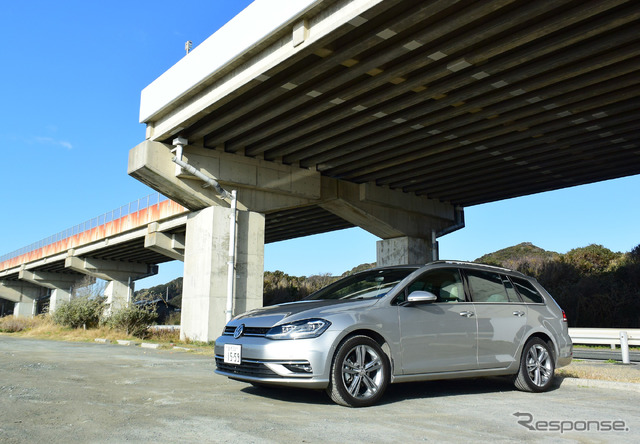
[{"x": 525, "y": 257}]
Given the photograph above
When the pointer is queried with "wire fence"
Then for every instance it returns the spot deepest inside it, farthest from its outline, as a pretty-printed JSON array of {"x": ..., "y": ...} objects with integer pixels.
[{"x": 124, "y": 210}]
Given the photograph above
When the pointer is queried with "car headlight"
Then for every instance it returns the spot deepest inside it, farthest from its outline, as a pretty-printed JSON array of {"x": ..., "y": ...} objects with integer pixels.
[{"x": 307, "y": 328}]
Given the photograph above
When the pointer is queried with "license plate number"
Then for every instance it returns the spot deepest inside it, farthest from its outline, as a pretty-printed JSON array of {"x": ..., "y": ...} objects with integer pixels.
[{"x": 232, "y": 354}]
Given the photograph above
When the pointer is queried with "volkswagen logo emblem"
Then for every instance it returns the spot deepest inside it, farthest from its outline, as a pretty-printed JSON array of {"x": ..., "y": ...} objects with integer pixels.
[{"x": 238, "y": 331}]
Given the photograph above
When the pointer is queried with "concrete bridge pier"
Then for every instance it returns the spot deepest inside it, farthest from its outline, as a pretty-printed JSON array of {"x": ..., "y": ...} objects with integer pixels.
[
  {"x": 405, "y": 250},
  {"x": 120, "y": 276},
  {"x": 206, "y": 269},
  {"x": 59, "y": 283},
  {"x": 24, "y": 295}
]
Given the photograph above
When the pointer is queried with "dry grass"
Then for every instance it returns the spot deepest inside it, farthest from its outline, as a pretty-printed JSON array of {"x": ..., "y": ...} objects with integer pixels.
[
  {"x": 601, "y": 371},
  {"x": 165, "y": 336},
  {"x": 42, "y": 327},
  {"x": 10, "y": 324}
]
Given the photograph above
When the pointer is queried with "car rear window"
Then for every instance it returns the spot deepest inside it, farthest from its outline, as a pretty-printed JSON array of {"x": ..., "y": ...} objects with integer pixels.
[
  {"x": 527, "y": 290},
  {"x": 486, "y": 286}
]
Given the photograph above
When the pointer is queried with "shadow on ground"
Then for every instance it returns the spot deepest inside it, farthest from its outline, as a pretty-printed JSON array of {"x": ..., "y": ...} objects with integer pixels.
[{"x": 397, "y": 392}]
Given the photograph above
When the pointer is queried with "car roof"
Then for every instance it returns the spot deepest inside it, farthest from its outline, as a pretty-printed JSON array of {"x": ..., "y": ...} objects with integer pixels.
[
  {"x": 461, "y": 264},
  {"x": 477, "y": 266}
]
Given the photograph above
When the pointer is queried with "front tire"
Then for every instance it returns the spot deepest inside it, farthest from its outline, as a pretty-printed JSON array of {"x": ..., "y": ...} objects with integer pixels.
[
  {"x": 360, "y": 373},
  {"x": 536, "y": 367}
]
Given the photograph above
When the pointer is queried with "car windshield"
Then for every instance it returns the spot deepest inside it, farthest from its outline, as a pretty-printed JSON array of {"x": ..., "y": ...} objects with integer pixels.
[{"x": 366, "y": 285}]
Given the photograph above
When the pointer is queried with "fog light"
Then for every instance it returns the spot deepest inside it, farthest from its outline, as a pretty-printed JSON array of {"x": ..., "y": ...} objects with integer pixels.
[{"x": 298, "y": 368}]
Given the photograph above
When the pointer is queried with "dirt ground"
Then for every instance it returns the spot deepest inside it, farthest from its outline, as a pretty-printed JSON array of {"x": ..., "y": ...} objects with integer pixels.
[{"x": 58, "y": 392}]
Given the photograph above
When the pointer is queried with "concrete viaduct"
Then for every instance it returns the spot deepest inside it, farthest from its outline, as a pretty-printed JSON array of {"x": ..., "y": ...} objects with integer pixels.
[
  {"x": 120, "y": 247},
  {"x": 390, "y": 115}
]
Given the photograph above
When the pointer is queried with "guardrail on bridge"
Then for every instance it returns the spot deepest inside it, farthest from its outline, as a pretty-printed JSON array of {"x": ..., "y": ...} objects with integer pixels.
[{"x": 141, "y": 211}]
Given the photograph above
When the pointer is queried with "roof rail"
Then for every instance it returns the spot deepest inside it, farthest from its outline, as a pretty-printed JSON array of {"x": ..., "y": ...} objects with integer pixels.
[{"x": 474, "y": 263}]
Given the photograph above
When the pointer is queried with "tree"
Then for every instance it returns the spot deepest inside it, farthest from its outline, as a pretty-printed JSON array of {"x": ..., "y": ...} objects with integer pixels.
[{"x": 591, "y": 259}]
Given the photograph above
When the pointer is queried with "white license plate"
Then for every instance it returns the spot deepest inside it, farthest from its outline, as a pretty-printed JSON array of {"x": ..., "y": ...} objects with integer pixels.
[{"x": 232, "y": 353}]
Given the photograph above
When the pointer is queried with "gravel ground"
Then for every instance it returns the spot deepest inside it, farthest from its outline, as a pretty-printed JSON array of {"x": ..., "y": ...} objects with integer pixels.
[{"x": 58, "y": 392}]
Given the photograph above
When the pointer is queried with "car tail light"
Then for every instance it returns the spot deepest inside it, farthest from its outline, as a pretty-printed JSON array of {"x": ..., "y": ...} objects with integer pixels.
[{"x": 564, "y": 317}]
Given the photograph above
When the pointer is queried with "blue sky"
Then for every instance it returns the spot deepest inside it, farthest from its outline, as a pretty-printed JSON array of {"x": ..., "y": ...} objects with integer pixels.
[{"x": 70, "y": 83}]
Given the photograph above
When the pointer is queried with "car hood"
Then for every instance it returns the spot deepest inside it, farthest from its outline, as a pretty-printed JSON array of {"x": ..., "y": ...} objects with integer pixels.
[{"x": 292, "y": 311}]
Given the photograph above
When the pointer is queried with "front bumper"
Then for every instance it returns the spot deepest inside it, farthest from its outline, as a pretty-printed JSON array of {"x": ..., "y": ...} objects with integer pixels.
[{"x": 280, "y": 362}]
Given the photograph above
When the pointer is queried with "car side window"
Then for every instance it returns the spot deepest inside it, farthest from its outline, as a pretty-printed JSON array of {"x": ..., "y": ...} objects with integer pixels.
[
  {"x": 486, "y": 286},
  {"x": 445, "y": 283},
  {"x": 527, "y": 291}
]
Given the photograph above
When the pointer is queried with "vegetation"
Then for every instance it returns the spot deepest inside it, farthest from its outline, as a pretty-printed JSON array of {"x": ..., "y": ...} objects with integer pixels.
[
  {"x": 43, "y": 327},
  {"x": 79, "y": 312},
  {"x": 10, "y": 324},
  {"x": 595, "y": 286},
  {"x": 133, "y": 320},
  {"x": 170, "y": 292},
  {"x": 278, "y": 287}
]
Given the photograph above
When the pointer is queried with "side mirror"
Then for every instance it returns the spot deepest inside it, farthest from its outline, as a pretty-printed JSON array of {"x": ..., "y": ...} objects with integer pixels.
[{"x": 421, "y": 297}]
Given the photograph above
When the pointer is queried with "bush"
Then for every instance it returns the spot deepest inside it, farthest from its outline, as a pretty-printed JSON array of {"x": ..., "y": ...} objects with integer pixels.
[
  {"x": 133, "y": 320},
  {"x": 79, "y": 312}
]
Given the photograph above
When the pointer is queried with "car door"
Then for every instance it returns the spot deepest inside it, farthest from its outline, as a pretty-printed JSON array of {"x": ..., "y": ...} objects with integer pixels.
[
  {"x": 501, "y": 317},
  {"x": 439, "y": 336}
]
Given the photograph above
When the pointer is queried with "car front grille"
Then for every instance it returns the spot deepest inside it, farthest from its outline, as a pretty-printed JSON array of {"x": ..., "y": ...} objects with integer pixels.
[
  {"x": 248, "y": 331},
  {"x": 246, "y": 368}
]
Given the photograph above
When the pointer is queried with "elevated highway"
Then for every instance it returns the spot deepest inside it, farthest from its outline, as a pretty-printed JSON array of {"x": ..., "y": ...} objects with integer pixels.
[
  {"x": 120, "y": 247},
  {"x": 390, "y": 115}
]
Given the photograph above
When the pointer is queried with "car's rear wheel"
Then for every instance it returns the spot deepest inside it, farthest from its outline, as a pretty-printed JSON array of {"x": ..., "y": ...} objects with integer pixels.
[
  {"x": 536, "y": 367},
  {"x": 360, "y": 372}
]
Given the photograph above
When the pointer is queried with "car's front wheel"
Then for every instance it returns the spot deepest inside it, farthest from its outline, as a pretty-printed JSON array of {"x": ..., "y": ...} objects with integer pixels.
[
  {"x": 536, "y": 367},
  {"x": 360, "y": 372}
]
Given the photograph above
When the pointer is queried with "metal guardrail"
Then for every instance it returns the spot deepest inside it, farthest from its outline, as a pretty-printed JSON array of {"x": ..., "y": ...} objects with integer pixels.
[
  {"x": 124, "y": 210},
  {"x": 607, "y": 336},
  {"x": 604, "y": 336}
]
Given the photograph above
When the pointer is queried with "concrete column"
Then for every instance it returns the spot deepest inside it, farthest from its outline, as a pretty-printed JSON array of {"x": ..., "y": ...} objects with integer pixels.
[
  {"x": 118, "y": 294},
  {"x": 404, "y": 251},
  {"x": 26, "y": 308},
  {"x": 204, "y": 295},
  {"x": 58, "y": 296}
]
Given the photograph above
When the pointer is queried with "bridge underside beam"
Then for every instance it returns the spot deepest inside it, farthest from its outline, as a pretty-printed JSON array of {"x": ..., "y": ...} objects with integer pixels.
[
  {"x": 120, "y": 276},
  {"x": 170, "y": 245},
  {"x": 267, "y": 187}
]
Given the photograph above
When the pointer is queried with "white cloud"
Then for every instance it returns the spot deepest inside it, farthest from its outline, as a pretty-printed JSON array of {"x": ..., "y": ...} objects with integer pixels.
[{"x": 52, "y": 141}]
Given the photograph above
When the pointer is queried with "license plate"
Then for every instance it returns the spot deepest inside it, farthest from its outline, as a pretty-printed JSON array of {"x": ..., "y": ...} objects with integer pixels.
[{"x": 232, "y": 353}]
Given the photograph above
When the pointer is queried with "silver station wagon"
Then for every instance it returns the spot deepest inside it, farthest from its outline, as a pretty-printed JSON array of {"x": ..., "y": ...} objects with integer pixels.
[{"x": 398, "y": 324}]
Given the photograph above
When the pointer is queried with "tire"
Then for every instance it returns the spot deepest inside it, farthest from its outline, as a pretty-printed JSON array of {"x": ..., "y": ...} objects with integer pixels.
[
  {"x": 359, "y": 374},
  {"x": 536, "y": 367}
]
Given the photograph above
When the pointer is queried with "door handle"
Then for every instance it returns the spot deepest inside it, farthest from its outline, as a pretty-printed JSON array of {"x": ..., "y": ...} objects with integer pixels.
[
  {"x": 467, "y": 313},
  {"x": 518, "y": 313}
]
